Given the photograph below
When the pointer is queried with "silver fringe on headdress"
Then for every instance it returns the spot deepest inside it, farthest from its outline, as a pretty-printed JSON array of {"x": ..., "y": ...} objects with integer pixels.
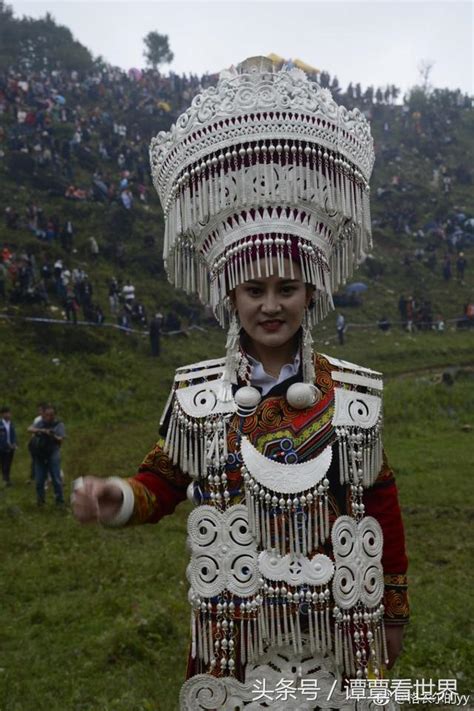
[{"x": 265, "y": 156}]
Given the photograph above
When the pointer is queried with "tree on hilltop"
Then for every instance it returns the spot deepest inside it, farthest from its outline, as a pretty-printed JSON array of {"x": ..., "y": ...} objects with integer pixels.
[
  {"x": 157, "y": 49},
  {"x": 31, "y": 44}
]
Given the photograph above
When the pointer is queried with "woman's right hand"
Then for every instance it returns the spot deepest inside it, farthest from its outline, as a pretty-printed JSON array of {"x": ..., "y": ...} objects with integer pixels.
[{"x": 95, "y": 500}]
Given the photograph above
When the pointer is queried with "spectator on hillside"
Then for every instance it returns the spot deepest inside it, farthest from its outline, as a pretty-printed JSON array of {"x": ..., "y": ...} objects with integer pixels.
[
  {"x": 402, "y": 308},
  {"x": 93, "y": 247},
  {"x": 172, "y": 322},
  {"x": 384, "y": 324},
  {"x": 340, "y": 328},
  {"x": 127, "y": 199},
  {"x": 424, "y": 316},
  {"x": 67, "y": 236},
  {"x": 128, "y": 293},
  {"x": 41, "y": 292},
  {"x": 155, "y": 334},
  {"x": 39, "y": 415},
  {"x": 8, "y": 443},
  {"x": 3, "y": 279},
  {"x": 45, "y": 447},
  {"x": 139, "y": 313},
  {"x": 447, "y": 268},
  {"x": 410, "y": 313},
  {"x": 447, "y": 184},
  {"x": 6, "y": 254},
  {"x": 113, "y": 295},
  {"x": 11, "y": 218},
  {"x": 142, "y": 193},
  {"x": 123, "y": 320},
  {"x": 460, "y": 266},
  {"x": 85, "y": 291},
  {"x": 71, "y": 306},
  {"x": 57, "y": 271},
  {"x": 99, "y": 317}
]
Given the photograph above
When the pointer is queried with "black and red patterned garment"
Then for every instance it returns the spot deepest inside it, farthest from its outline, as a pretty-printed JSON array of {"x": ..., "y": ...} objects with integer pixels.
[{"x": 283, "y": 435}]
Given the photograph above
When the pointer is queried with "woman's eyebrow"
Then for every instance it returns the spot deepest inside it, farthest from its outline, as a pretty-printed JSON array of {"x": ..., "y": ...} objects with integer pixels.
[{"x": 280, "y": 282}]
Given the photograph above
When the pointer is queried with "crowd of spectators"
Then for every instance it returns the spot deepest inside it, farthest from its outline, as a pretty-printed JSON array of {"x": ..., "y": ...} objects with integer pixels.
[
  {"x": 88, "y": 135},
  {"x": 67, "y": 123}
]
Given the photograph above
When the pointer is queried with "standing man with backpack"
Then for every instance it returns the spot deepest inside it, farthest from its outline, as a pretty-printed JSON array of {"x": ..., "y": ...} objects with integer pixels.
[{"x": 45, "y": 447}]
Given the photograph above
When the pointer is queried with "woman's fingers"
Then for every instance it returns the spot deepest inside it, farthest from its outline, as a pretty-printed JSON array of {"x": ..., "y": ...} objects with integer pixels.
[
  {"x": 94, "y": 499},
  {"x": 85, "y": 498}
]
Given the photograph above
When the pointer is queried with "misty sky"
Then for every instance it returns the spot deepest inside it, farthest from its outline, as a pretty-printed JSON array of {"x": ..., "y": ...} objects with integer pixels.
[{"x": 368, "y": 42}]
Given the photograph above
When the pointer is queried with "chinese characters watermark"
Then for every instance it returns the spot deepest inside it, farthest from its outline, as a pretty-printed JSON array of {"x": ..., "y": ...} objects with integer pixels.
[{"x": 378, "y": 691}]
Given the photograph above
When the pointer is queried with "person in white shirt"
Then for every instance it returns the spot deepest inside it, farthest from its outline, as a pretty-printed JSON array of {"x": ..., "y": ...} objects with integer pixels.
[{"x": 128, "y": 292}]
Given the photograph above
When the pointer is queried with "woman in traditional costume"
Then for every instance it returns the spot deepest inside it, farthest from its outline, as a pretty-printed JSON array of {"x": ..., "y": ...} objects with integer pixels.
[{"x": 298, "y": 565}]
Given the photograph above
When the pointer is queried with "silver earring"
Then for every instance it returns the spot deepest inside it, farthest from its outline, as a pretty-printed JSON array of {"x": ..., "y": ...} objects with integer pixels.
[
  {"x": 305, "y": 394},
  {"x": 307, "y": 349},
  {"x": 232, "y": 357}
]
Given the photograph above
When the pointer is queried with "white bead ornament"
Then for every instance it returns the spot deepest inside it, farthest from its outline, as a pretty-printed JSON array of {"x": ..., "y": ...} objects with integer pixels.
[
  {"x": 247, "y": 399},
  {"x": 302, "y": 395}
]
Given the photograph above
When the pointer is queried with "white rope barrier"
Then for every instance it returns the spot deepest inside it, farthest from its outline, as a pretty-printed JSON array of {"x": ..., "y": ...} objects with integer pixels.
[{"x": 62, "y": 322}]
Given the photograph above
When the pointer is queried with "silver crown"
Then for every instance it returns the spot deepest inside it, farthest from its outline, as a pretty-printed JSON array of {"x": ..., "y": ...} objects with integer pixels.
[{"x": 266, "y": 155}]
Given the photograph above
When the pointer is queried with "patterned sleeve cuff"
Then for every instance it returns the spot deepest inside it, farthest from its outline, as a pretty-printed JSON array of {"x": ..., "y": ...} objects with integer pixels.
[
  {"x": 144, "y": 505},
  {"x": 397, "y": 610}
]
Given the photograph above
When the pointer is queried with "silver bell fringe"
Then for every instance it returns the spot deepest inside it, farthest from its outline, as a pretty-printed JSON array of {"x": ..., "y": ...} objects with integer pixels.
[
  {"x": 196, "y": 444},
  {"x": 359, "y": 636},
  {"x": 296, "y": 524},
  {"x": 360, "y": 454}
]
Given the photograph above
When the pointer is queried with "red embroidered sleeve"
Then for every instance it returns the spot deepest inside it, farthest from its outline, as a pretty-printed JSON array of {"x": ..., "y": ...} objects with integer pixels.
[
  {"x": 159, "y": 486},
  {"x": 381, "y": 502}
]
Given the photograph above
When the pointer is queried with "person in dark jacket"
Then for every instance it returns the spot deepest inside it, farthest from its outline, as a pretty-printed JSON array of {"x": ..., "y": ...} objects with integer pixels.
[
  {"x": 8, "y": 443},
  {"x": 155, "y": 334},
  {"x": 49, "y": 433}
]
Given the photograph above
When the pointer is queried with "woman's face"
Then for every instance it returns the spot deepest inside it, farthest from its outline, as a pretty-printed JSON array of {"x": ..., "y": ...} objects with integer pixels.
[{"x": 271, "y": 309}]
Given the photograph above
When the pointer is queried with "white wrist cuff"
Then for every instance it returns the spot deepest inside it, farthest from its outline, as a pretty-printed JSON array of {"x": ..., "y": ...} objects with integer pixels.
[{"x": 126, "y": 510}]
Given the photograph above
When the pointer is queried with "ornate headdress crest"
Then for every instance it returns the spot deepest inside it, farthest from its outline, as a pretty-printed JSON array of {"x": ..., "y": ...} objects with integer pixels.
[{"x": 263, "y": 165}]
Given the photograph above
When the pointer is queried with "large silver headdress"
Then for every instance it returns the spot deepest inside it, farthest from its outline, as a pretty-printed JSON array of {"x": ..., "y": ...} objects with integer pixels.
[{"x": 263, "y": 165}]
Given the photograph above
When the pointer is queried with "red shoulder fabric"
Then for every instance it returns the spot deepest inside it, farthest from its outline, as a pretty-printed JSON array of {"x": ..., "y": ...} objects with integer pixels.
[{"x": 381, "y": 502}]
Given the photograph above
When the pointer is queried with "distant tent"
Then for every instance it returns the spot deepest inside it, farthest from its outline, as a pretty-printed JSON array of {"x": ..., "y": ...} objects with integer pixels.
[
  {"x": 164, "y": 105},
  {"x": 276, "y": 59},
  {"x": 135, "y": 74},
  {"x": 280, "y": 61},
  {"x": 306, "y": 67}
]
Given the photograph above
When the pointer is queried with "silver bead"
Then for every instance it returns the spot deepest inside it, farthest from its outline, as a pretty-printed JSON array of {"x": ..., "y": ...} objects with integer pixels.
[
  {"x": 302, "y": 395},
  {"x": 247, "y": 396}
]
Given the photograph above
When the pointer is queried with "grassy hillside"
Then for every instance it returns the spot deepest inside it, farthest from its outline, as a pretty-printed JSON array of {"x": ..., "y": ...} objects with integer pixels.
[{"x": 97, "y": 620}]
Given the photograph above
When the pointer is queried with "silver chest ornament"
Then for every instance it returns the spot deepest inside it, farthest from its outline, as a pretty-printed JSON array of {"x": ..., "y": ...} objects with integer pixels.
[
  {"x": 255, "y": 566},
  {"x": 302, "y": 395},
  {"x": 247, "y": 400}
]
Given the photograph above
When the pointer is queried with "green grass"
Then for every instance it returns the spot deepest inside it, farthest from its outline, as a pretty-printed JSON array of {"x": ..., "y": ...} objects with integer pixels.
[{"x": 97, "y": 620}]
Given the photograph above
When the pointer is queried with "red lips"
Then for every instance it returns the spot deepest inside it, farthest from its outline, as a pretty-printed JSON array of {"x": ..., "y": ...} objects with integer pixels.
[{"x": 271, "y": 326}]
